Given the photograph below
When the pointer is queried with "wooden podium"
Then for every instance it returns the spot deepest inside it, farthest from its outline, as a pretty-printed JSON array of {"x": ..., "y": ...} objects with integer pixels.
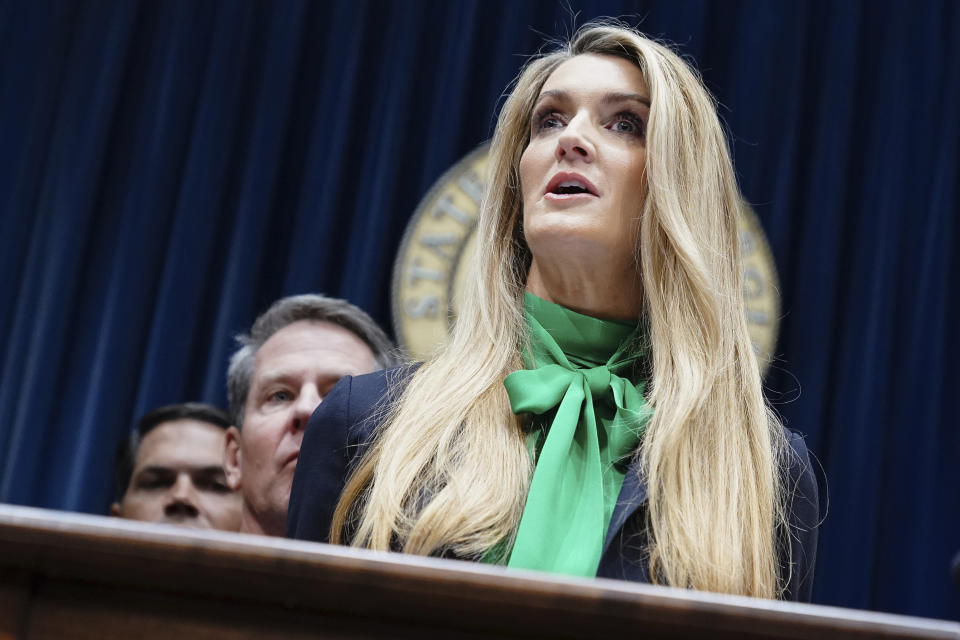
[{"x": 65, "y": 575}]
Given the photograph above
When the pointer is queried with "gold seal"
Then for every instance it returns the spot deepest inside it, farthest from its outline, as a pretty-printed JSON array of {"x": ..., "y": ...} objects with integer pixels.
[{"x": 430, "y": 268}]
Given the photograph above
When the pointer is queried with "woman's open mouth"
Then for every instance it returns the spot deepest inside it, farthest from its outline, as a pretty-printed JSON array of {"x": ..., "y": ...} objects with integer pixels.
[{"x": 569, "y": 186}]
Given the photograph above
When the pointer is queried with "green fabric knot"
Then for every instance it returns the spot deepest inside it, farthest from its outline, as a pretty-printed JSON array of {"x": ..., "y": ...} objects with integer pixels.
[
  {"x": 575, "y": 373},
  {"x": 553, "y": 381},
  {"x": 598, "y": 380}
]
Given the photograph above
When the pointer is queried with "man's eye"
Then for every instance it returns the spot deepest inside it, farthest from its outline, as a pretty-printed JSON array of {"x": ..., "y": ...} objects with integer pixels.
[
  {"x": 153, "y": 483},
  {"x": 214, "y": 485},
  {"x": 280, "y": 396}
]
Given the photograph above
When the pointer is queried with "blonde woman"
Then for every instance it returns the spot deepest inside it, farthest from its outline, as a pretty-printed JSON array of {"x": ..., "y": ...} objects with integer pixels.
[{"x": 598, "y": 410}]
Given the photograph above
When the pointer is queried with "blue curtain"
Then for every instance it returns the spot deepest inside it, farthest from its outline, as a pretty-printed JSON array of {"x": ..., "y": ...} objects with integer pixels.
[{"x": 170, "y": 168}]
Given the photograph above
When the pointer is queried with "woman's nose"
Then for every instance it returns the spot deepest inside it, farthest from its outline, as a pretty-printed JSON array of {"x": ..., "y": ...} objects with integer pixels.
[{"x": 575, "y": 141}]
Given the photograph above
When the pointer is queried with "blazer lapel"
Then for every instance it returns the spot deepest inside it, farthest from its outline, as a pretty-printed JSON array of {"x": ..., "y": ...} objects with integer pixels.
[{"x": 633, "y": 494}]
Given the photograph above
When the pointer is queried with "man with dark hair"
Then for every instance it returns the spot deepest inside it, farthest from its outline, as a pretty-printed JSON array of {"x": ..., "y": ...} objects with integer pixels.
[
  {"x": 171, "y": 470},
  {"x": 295, "y": 353}
]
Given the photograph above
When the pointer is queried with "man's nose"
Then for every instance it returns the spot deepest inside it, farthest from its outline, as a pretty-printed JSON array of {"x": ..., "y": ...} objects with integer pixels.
[
  {"x": 574, "y": 143},
  {"x": 182, "y": 499},
  {"x": 308, "y": 400}
]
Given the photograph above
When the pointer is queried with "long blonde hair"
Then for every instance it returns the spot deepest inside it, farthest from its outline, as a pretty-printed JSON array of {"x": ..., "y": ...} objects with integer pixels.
[{"x": 448, "y": 471}]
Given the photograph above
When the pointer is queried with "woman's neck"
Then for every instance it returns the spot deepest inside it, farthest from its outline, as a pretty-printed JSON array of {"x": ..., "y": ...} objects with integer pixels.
[{"x": 603, "y": 291}]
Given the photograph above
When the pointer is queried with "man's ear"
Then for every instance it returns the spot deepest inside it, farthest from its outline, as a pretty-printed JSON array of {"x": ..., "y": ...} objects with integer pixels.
[
  {"x": 232, "y": 458},
  {"x": 115, "y": 510}
]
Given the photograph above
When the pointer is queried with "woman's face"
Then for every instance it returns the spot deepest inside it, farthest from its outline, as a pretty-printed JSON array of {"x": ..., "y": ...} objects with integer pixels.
[{"x": 582, "y": 173}]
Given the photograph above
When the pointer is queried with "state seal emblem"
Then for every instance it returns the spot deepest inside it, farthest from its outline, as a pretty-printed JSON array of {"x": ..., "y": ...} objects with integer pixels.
[{"x": 430, "y": 268}]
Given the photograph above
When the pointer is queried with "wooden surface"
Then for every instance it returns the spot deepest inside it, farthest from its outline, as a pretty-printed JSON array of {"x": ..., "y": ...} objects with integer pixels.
[{"x": 66, "y": 575}]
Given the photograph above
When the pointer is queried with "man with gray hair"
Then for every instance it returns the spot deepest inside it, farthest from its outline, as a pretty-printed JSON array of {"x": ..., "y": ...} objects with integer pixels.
[{"x": 295, "y": 353}]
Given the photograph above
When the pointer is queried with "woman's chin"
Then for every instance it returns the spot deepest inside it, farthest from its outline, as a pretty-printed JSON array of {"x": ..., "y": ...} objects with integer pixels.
[{"x": 568, "y": 236}]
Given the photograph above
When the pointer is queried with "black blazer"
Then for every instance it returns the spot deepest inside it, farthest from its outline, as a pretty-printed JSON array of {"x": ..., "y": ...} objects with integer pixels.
[{"x": 340, "y": 430}]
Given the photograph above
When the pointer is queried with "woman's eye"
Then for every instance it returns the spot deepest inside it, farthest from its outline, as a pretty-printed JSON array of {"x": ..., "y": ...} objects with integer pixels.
[
  {"x": 629, "y": 123},
  {"x": 548, "y": 120},
  {"x": 551, "y": 122}
]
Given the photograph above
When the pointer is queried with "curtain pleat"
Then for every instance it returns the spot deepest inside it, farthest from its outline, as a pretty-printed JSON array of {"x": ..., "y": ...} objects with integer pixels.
[
  {"x": 256, "y": 236},
  {"x": 67, "y": 217},
  {"x": 332, "y": 67},
  {"x": 190, "y": 275}
]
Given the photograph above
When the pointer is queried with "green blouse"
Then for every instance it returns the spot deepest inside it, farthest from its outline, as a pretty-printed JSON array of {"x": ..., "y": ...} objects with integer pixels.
[{"x": 588, "y": 422}]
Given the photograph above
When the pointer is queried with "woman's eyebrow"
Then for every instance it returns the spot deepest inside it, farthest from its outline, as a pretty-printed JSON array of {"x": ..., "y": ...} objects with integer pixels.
[
  {"x": 607, "y": 98},
  {"x": 625, "y": 97},
  {"x": 556, "y": 94}
]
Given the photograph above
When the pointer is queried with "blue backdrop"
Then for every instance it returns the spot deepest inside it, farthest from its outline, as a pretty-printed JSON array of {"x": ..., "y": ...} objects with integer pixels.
[{"x": 170, "y": 168}]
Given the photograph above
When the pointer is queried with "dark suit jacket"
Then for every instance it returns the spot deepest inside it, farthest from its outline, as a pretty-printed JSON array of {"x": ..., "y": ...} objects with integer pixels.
[{"x": 340, "y": 430}]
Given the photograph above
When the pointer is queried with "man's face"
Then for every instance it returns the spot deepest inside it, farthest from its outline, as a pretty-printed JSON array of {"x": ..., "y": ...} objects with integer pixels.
[
  {"x": 178, "y": 478},
  {"x": 293, "y": 371}
]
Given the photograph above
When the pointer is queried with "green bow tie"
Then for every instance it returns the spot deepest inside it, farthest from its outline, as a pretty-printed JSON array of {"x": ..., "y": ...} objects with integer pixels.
[{"x": 575, "y": 367}]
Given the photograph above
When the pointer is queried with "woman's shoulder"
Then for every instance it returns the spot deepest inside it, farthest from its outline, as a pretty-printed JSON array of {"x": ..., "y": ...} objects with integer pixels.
[
  {"x": 351, "y": 412},
  {"x": 338, "y": 434},
  {"x": 803, "y": 505},
  {"x": 359, "y": 402},
  {"x": 801, "y": 478},
  {"x": 373, "y": 389}
]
